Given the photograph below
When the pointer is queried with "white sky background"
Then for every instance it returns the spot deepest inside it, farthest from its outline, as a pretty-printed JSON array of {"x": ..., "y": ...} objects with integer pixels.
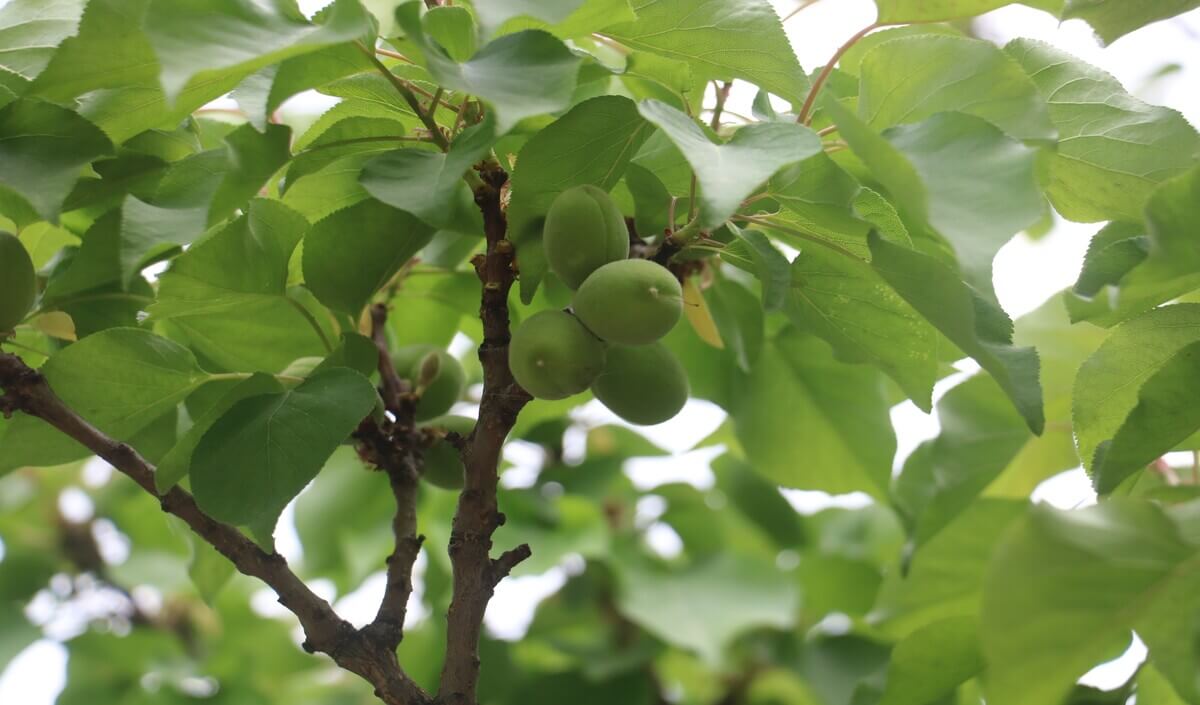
[{"x": 1026, "y": 274}]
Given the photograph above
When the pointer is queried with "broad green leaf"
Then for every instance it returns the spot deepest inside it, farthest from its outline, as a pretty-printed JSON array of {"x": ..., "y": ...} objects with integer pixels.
[
  {"x": 208, "y": 569},
  {"x": 453, "y": 28},
  {"x": 1113, "y": 19},
  {"x": 906, "y": 11},
  {"x": 932, "y": 662},
  {"x": 332, "y": 188},
  {"x": 729, "y": 172},
  {"x": 591, "y": 144},
  {"x": 350, "y": 254},
  {"x": 1110, "y": 381},
  {"x": 1065, "y": 589},
  {"x": 738, "y": 317},
  {"x": 1172, "y": 217},
  {"x": 228, "y": 294},
  {"x": 1164, "y": 417},
  {"x": 30, "y": 31},
  {"x": 524, "y": 74},
  {"x": 735, "y": 594},
  {"x": 851, "y": 61},
  {"x": 265, "y": 449},
  {"x": 119, "y": 380},
  {"x": 430, "y": 185},
  {"x": 979, "y": 328},
  {"x": 1113, "y": 252},
  {"x": 569, "y": 19},
  {"x": 719, "y": 39},
  {"x": 175, "y": 464},
  {"x": 1113, "y": 148},
  {"x": 910, "y": 79},
  {"x": 944, "y": 578},
  {"x": 43, "y": 148},
  {"x": 799, "y": 401},
  {"x": 239, "y": 36},
  {"x": 263, "y": 92},
  {"x": 846, "y": 302},
  {"x": 753, "y": 252},
  {"x": 981, "y": 186}
]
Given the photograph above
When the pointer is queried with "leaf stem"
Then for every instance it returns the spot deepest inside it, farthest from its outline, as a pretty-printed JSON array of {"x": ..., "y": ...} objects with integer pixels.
[
  {"x": 406, "y": 92},
  {"x": 803, "y": 235},
  {"x": 312, "y": 321},
  {"x": 805, "y": 115}
]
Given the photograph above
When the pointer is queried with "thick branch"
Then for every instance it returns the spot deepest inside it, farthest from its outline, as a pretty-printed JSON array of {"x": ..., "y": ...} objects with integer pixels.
[
  {"x": 477, "y": 517},
  {"x": 27, "y": 391}
]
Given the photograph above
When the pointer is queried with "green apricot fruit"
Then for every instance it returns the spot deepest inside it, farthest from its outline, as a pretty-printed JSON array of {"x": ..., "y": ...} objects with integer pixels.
[
  {"x": 584, "y": 231},
  {"x": 18, "y": 282},
  {"x": 553, "y": 356},
  {"x": 632, "y": 302},
  {"x": 643, "y": 384},
  {"x": 443, "y": 463},
  {"x": 448, "y": 383}
]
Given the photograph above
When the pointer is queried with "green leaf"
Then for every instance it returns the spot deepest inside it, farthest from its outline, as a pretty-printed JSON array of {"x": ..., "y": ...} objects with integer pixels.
[
  {"x": 1065, "y": 589},
  {"x": 729, "y": 172},
  {"x": 175, "y": 464},
  {"x": 228, "y": 293},
  {"x": 932, "y": 662},
  {"x": 1165, "y": 416},
  {"x": 265, "y": 449},
  {"x": 719, "y": 39},
  {"x": 30, "y": 31},
  {"x": 239, "y": 36},
  {"x": 845, "y": 302},
  {"x": 1109, "y": 383},
  {"x": 908, "y": 11},
  {"x": 910, "y": 79},
  {"x": 521, "y": 75},
  {"x": 592, "y": 144},
  {"x": 208, "y": 569},
  {"x": 734, "y": 593},
  {"x": 799, "y": 401},
  {"x": 753, "y": 252},
  {"x": 351, "y": 254},
  {"x": 979, "y": 328},
  {"x": 263, "y": 92},
  {"x": 43, "y": 148},
  {"x": 453, "y": 28},
  {"x": 430, "y": 185},
  {"x": 562, "y": 18},
  {"x": 1113, "y": 148},
  {"x": 1113, "y": 252},
  {"x": 980, "y": 183},
  {"x": 944, "y": 578},
  {"x": 120, "y": 380},
  {"x": 1113, "y": 19}
]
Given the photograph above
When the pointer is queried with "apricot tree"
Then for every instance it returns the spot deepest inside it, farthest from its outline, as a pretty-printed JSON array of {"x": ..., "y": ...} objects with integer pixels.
[{"x": 260, "y": 322}]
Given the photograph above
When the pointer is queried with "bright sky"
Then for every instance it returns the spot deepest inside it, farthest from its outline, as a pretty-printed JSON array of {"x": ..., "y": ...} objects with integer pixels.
[{"x": 1027, "y": 273}]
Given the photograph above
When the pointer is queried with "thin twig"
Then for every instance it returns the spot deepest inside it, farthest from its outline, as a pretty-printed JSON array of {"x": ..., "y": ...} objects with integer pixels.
[
  {"x": 805, "y": 115},
  {"x": 393, "y": 55},
  {"x": 722, "y": 90},
  {"x": 405, "y": 91}
]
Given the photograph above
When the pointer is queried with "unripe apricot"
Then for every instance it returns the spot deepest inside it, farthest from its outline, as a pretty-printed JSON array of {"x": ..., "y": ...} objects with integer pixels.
[
  {"x": 18, "y": 283},
  {"x": 643, "y": 384},
  {"x": 584, "y": 231},
  {"x": 443, "y": 465},
  {"x": 444, "y": 388},
  {"x": 553, "y": 356},
  {"x": 632, "y": 302}
]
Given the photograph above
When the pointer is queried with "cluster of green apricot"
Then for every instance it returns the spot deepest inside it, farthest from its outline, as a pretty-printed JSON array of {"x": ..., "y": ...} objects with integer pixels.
[
  {"x": 620, "y": 310},
  {"x": 18, "y": 282}
]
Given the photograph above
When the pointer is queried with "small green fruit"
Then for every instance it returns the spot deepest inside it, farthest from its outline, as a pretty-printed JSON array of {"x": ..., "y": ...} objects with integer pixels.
[
  {"x": 445, "y": 387},
  {"x": 632, "y": 302},
  {"x": 18, "y": 282},
  {"x": 553, "y": 356},
  {"x": 443, "y": 463},
  {"x": 643, "y": 384},
  {"x": 584, "y": 231}
]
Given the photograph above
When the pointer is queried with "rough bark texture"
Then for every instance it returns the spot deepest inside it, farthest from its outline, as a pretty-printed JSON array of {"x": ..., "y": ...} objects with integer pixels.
[
  {"x": 477, "y": 517},
  {"x": 394, "y": 446}
]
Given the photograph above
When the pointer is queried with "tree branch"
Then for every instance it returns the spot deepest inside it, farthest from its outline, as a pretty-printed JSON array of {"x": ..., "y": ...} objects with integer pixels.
[
  {"x": 477, "y": 517},
  {"x": 393, "y": 447},
  {"x": 805, "y": 115},
  {"x": 27, "y": 391}
]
